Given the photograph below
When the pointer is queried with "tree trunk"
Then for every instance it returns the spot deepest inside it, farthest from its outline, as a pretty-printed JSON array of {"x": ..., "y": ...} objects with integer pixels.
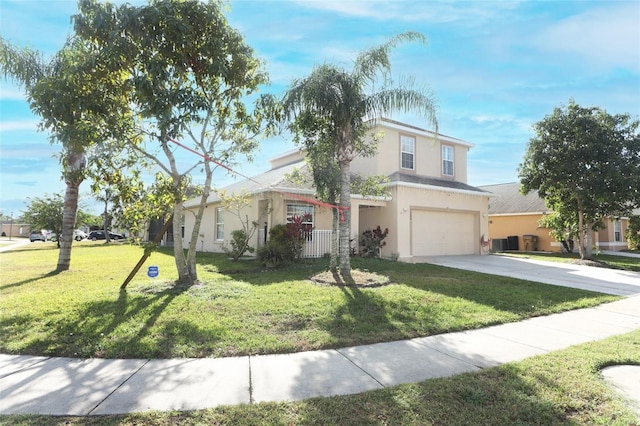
[
  {"x": 191, "y": 262},
  {"x": 69, "y": 213},
  {"x": 105, "y": 222},
  {"x": 585, "y": 237},
  {"x": 588, "y": 241},
  {"x": 185, "y": 274},
  {"x": 345, "y": 220},
  {"x": 335, "y": 232}
]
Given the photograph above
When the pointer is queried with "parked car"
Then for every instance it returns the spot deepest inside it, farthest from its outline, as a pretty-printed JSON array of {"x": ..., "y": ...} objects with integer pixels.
[
  {"x": 99, "y": 235},
  {"x": 78, "y": 235},
  {"x": 37, "y": 236}
]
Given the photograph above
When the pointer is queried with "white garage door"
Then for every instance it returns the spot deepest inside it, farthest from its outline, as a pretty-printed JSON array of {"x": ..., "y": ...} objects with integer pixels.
[{"x": 439, "y": 233}]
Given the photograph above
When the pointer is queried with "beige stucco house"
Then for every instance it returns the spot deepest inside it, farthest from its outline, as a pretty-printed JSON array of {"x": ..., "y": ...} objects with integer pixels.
[
  {"x": 512, "y": 214},
  {"x": 430, "y": 209}
]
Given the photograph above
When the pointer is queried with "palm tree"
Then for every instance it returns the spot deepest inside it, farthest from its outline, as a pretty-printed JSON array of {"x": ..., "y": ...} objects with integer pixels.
[
  {"x": 71, "y": 93},
  {"x": 350, "y": 101}
]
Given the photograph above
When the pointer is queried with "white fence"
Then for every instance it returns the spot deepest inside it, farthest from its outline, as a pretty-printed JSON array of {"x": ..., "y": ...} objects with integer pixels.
[{"x": 317, "y": 244}]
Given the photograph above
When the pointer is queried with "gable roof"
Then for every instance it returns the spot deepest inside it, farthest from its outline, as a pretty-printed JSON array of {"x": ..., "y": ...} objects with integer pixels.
[
  {"x": 272, "y": 180},
  {"x": 392, "y": 124},
  {"x": 435, "y": 183},
  {"x": 510, "y": 200}
]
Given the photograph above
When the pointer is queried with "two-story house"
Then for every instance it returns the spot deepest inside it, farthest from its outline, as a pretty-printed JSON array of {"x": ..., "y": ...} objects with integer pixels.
[{"x": 430, "y": 210}]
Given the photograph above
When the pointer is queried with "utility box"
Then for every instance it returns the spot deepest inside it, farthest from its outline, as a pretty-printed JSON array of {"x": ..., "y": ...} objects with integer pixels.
[
  {"x": 530, "y": 242},
  {"x": 499, "y": 244},
  {"x": 512, "y": 242}
]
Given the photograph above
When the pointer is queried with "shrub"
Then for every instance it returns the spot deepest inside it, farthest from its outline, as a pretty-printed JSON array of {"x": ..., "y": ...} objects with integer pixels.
[
  {"x": 281, "y": 246},
  {"x": 632, "y": 234},
  {"x": 371, "y": 241},
  {"x": 273, "y": 253},
  {"x": 239, "y": 244}
]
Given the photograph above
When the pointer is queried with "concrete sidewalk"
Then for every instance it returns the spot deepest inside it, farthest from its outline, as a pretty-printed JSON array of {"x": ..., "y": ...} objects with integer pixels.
[{"x": 64, "y": 386}]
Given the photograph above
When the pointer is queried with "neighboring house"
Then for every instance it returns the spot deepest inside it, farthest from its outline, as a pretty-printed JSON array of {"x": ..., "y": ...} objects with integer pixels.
[
  {"x": 512, "y": 214},
  {"x": 430, "y": 209},
  {"x": 15, "y": 229}
]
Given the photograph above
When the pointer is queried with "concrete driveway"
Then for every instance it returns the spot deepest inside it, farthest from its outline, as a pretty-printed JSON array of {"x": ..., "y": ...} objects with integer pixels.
[{"x": 603, "y": 280}]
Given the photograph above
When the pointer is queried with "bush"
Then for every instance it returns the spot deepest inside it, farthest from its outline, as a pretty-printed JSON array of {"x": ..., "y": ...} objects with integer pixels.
[
  {"x": 239, "y": 244},
  {"x": 371, "y": 241},
  {"x": 282, "y": 246},
  {"x": 632, "y": 233},
  {"x": 273, "y": 253}
]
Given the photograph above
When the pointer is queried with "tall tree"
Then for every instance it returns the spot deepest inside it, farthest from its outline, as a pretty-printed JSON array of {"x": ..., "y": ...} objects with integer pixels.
[
  {"x": 71, "y": 93},
  {"x": 585, "y": 163},
  {"x": 189, "y": 75},
  {"x": 314, "y": 133},
  {"x": 348, "y": 101}
]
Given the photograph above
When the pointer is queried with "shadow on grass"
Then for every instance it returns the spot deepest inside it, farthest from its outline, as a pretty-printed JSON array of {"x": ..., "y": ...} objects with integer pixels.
[
  {"x": 121, "y": 328},
  {"x": 498, "y": 396},
  {"x": 362, "y": 319},
  {"x": 30, "y": 280},
  {"x": 520, "y": 297}
]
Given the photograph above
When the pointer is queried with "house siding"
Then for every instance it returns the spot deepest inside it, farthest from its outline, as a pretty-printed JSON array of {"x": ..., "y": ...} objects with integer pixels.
[
  {"x": 422, "y": 190},
  {"x": 503, "y": 226},
  {"x": 427, "y": 160}
]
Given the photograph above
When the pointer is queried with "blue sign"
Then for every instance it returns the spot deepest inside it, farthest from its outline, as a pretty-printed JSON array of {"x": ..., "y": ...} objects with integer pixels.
[{"x": 153, "y": 271}]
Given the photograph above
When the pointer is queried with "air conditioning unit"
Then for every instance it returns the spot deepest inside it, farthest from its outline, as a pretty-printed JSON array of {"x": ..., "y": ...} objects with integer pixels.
[{"x": 499, "y": 244}]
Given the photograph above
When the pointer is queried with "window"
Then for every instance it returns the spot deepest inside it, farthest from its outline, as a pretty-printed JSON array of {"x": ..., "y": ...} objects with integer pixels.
[
  {"x": 182, "y": 226},
  {"x": 219, "y": 223},
  {"x": 447, "y": 160},
  {"x": 304, "y": 214},
  {"x": 407, "y": 152},
  {"x": 617, "y": 231}
]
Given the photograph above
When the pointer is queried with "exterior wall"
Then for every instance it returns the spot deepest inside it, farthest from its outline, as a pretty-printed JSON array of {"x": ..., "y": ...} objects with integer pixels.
[
  {"x": 275, "y": 206},
  {"x": 605, "y": 238},
  {"x": 15, "y": 229},
  {"x": 286, "y": 158},
  {"x": 427, "y": 157},
  {"x": 503, "y": 226},
  {"x": 372, "y": 216},
  {"x": 407, "y": 198}
]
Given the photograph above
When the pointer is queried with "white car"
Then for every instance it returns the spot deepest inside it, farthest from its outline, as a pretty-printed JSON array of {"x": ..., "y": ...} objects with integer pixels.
[{"x": 79, "y": 235}]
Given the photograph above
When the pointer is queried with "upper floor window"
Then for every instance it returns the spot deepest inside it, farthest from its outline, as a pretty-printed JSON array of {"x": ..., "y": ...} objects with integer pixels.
[
  {"x": 407, "y": 152},
  {"x": 447, "y": 160},
  {"x": 617, "y": 231},
  {"x": 219, "y": 223}
]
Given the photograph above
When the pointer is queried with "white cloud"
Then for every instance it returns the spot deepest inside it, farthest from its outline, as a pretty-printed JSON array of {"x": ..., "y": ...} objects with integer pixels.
[
  {"x": 9, "y": 126},
  {"x": 607, "y": 37},
  {"x": 11, "y": 93},
  {"x": 415, "y": 11}
]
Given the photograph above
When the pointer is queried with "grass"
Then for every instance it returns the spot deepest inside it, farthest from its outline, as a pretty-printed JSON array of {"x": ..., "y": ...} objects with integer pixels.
[
  {"x": 559, "y": 388},
  {"x": 242, "y": 309},
  {"x": 617, "y": 262}
]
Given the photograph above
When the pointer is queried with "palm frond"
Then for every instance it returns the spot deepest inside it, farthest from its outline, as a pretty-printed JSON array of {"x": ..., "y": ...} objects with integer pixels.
[
  {"x": 370, "y": 63},
  {"x": 22, "y": 65},
  {"x": 405, "y": 99}
]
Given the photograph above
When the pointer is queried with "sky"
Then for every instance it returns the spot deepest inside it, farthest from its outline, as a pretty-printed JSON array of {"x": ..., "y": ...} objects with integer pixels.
[{"x": 495, "y": 68}]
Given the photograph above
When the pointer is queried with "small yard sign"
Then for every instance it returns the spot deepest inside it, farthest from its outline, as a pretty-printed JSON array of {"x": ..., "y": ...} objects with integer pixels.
[{"x": 153, "y": 271}]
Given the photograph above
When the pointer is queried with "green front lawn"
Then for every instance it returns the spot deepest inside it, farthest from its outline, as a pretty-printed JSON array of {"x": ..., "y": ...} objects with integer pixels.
[{"x": 240, "y": 308}]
